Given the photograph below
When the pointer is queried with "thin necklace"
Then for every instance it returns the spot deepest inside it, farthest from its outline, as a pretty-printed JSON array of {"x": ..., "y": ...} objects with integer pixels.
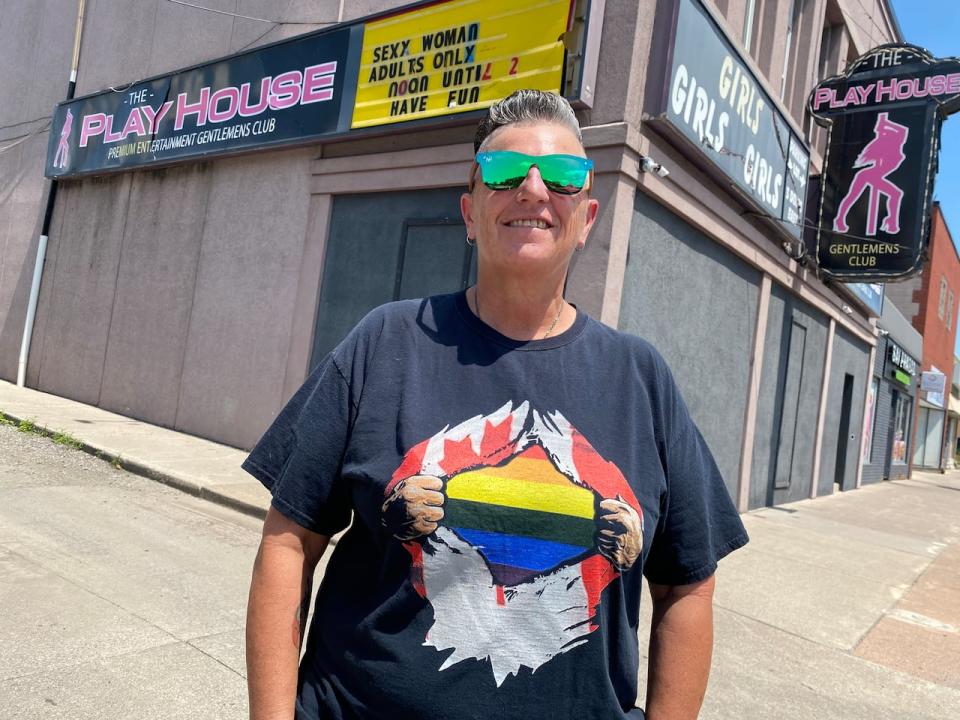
[{"x": 476, "y": 303}]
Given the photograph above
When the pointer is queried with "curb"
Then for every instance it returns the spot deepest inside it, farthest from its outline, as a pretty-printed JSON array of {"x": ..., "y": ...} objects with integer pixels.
[{"x": 145, "y": 470}]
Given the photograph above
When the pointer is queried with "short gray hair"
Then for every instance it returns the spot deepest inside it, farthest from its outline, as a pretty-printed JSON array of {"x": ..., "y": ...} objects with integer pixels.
[{"x": 527, "y": 106}]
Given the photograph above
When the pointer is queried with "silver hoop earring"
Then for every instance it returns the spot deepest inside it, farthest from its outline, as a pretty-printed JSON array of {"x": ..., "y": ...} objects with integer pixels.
[{"x": 471, "y": 243}]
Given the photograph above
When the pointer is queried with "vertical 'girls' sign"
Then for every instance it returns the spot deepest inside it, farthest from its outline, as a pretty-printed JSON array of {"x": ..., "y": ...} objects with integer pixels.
[
  {"x": 719, "y": 105},
  {"x": 884, "y": 116}
]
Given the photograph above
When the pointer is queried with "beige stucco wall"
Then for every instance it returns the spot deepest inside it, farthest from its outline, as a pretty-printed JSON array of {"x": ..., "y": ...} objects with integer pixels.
[{"x": 35, "y": 45}]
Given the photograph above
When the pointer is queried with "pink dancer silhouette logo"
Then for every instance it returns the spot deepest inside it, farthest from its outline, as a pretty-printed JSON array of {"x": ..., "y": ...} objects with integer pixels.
[
  {"x": 878, "y": 159},
  {"x": 62, "y": 157}
]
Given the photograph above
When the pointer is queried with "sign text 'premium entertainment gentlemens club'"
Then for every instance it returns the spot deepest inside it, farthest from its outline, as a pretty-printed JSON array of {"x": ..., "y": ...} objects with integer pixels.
[
  {"x": 716, "y": 101},
  {"x": 884, "y": 116},
  {"x": 272, "y": 96},
  {"x": 429, "y": 60}
]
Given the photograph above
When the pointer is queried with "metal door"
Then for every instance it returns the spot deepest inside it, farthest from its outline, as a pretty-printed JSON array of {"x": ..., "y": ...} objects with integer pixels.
[
  {"x": 389, "y": 246},
  {"x": 790, "y": 409},
  {"x": 840, "y": 477}
]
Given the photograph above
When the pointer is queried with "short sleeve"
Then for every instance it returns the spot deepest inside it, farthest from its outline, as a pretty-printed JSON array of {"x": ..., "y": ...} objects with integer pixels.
[
  {"x": 698, "y": 522},
  {"x": 299, "y": 458}
]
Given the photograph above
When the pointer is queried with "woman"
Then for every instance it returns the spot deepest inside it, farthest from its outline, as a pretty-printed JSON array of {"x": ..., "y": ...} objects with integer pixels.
[{"x": 512, "y": 468}]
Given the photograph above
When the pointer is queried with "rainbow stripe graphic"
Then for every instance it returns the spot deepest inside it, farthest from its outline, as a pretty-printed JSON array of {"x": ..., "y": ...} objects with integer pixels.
[{"x": 524, "y": 517}]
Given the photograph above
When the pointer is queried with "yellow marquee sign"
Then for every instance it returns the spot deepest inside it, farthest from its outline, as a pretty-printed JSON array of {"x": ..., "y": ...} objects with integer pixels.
[{"x": 457, "y": 56}]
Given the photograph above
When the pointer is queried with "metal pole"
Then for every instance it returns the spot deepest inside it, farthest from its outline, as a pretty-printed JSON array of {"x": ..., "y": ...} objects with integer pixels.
[{"x": 47, "y": 216}]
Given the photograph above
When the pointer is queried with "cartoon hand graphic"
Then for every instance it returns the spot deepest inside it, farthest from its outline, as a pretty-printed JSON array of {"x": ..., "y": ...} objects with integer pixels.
[
  {"x": 619, "y": 533},
  {"x": 414, "y": 507}
]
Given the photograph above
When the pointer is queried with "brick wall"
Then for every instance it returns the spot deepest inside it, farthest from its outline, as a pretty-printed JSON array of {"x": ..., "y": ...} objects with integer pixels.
[{"x": 939, "y": 338}]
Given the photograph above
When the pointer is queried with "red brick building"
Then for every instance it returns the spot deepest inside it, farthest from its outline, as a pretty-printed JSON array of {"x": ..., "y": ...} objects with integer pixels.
[{"x": 931, "y": 302}]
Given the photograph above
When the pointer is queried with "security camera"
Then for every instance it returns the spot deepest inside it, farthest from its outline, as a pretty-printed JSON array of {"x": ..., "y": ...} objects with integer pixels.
[{"x": 648, "y": 164}]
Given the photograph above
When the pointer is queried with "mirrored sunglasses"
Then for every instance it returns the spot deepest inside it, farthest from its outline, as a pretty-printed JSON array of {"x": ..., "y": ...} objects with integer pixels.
[{"x": 506, "y": 170}]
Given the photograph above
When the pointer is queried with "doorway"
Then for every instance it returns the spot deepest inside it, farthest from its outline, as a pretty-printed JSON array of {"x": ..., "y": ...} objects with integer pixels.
[
  {"x": 928, "y": 438},
  {"x": 840, "y": 478},
  {"x": 900, "y": 410},
  {"x": 389, "y": 246},
  {"x": 790, "y": 410}
]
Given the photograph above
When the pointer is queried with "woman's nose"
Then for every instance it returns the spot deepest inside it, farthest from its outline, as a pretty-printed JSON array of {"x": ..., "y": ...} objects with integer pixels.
[{"x": 533, "y": 187}]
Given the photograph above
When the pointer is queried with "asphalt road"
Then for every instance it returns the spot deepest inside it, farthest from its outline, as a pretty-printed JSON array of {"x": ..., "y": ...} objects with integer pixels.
[{"x": 120, "y": 597}]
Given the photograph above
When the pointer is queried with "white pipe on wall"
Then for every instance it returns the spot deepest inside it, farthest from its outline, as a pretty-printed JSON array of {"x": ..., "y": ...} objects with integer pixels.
[
  {"x": 47, "y": 216},
  {"x": 31, "y": 311}
]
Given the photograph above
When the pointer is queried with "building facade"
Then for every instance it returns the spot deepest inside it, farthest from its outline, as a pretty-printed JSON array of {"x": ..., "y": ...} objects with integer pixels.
[
  {"x": 198, "y": 296},
  {"x": 953, "y": 417},
  {"x": 891, "y": 399},
  {"x": 930, "y": 301}
]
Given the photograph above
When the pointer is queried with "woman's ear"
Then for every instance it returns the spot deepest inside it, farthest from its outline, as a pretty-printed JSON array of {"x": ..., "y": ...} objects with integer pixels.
[
  {"x": 593, "y": 207},
  {"x": 466, "y": 210}
]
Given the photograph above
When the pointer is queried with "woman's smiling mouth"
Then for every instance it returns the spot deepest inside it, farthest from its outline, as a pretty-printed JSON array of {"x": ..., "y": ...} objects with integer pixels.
[{"x": 529, "y": 222}]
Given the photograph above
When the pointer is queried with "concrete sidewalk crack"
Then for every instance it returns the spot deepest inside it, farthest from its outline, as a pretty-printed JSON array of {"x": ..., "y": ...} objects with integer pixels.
[
  {"x": 68, "y": 665},
  {"x": 215, "y": 659},
  {"x": 791, "y": 633},
  {"x": 838, "y": 571},
  {"x": 822, "y": 533},
  {"x": 96, "y": 594}
]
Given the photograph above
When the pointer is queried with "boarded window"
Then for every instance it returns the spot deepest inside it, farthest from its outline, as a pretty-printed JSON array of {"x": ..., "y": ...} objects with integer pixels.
[{"x": 389, "y": 246}]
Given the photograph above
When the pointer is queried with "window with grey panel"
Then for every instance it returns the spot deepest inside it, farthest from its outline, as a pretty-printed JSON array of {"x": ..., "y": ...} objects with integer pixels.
[
  {"x": 388, "y": 246},
  {"x": 793, "y": 387}
]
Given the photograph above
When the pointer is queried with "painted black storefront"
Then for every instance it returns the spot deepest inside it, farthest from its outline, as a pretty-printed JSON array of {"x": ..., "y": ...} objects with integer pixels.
[{"x": 894, "y": 396}]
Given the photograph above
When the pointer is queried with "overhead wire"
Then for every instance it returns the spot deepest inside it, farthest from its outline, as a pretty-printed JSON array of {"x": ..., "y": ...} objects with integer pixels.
[
  {"x": 23, "y": 138},
  {"x": 23, "y": 122},
  {"x": 249, "y": 17},
  {"x": 273, "y": 23},
  {"x": 873, "y": 21}
]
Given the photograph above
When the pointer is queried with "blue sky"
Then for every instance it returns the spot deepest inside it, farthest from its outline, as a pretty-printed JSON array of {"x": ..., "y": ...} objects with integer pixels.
[{"x": 935, "y": 25}]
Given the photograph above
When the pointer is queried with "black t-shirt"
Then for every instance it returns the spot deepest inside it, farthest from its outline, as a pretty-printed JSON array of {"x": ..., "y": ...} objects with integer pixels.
[{"x": 508, "y": 609}]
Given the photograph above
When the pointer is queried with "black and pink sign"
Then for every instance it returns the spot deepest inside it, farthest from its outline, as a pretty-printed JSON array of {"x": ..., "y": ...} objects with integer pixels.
[
  {"x": 884, "y": 116},
  {"x": 286, "y": 93}
]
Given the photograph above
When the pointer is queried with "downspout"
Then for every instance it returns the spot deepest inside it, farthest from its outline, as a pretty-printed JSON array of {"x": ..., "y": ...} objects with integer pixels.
[{"x": 47, "y": 216}]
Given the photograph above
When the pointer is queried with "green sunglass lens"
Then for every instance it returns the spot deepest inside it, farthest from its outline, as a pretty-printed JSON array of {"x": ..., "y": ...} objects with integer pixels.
[
  {"x": 504, "y": 170},
  {"x": 564, "y": 171},
  {"x": 509, "y": 182}
]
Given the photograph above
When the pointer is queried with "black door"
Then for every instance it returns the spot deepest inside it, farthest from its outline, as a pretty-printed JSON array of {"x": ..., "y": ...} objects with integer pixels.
[
  {"x": 887, "y": 462},
  {"x": 389, "y": 246},
  {"x": 840, "y": 475}
]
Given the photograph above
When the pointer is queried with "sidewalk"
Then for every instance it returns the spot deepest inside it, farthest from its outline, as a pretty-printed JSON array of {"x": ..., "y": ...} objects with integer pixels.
[
  {"x": 200, "y": 467},
  {"x": 846, "y": 607}
]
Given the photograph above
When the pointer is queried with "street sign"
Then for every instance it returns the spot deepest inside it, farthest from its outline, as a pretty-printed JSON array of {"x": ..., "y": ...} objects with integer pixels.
[{"x": 932, "y": 382}]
